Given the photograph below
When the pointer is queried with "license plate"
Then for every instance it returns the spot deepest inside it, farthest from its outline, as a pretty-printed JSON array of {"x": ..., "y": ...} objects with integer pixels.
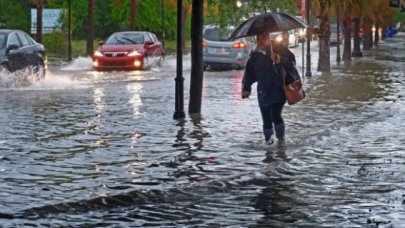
[{"x": 221, "y": 51}]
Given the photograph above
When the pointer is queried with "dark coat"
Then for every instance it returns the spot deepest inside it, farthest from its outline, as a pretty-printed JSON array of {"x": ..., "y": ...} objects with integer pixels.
[{"x": 270, "y": 84}]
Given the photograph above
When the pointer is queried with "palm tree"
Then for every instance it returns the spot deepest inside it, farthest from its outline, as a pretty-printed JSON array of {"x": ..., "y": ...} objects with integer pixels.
[
  {"x": 386, "y": 16},
  {"x": 381, "y": 14},
  {"x": 370, "y": 10},
  {"x": 357, "y": 10},
  {"x": 348, "y": 7},
  {"x": 90, "y": 28}
]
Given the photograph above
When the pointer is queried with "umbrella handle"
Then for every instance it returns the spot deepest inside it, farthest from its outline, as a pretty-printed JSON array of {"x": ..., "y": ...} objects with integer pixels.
[{"x": 271, "y": 48}]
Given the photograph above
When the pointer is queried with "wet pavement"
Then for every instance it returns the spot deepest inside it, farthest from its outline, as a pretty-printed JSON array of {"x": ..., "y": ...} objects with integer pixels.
[{"x": 87, "y": 149}]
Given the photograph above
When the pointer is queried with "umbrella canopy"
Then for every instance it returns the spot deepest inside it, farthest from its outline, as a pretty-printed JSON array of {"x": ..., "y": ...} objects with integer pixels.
[{"x": 267, "y": 23}]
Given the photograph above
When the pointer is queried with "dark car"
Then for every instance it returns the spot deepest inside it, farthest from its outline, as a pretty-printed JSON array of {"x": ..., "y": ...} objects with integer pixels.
[
  {"x": 19, "y": 51},
  {"x": 127, "y": 51}
]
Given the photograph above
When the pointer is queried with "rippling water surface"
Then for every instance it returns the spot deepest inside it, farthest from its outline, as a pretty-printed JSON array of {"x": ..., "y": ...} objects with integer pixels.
[{"x": 81, "y": 148}]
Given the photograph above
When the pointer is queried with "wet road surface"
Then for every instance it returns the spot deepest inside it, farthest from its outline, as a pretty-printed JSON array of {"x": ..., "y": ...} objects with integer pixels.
[{"x": 88, "y": 149}]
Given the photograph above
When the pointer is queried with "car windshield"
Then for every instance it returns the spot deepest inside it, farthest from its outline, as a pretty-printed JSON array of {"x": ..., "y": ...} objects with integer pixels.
[
  {"x": 125, "y": 38},
  {"x": 215, "y": 34},
  {"x": 2, "y": 40}
]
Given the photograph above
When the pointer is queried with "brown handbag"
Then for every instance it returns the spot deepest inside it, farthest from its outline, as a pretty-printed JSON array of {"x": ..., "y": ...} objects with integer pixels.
[{"x": 293, "y": 91}]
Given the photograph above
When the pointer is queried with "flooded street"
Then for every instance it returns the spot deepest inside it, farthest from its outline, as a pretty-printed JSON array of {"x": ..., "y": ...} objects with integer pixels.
[{"x": 88, "y": 149}]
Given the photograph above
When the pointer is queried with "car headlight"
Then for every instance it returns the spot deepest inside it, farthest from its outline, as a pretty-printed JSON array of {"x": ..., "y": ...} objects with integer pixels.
[
  {"x": 98, "y": 53},
  {"x": 134, "y": 53},
  {"x": 279, "y": 38}
]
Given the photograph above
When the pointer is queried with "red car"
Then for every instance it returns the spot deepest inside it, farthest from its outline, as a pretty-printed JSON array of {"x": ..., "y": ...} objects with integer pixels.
[{"x": 127, "y": 51}]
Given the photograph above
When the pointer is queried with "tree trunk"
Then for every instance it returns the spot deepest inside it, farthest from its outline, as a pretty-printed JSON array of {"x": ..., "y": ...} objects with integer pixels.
[
  {"x": 376, "y": 35},
  {"x": 383, "y": 34},
  {"x": 338, "y": 34},
  {"x": 356, "y": 38},
  {"x": 134, "y": 12},
  {"x": 40, "y": 7},
  {"x": 196, "y": 80},
  {"x": 324, "y": 40},
  {"x": 90, "y": 28},
  {"x": 347, "y": 47},
  {"x": 183, "y": 26},
  {"x": 368, "y": 36}
]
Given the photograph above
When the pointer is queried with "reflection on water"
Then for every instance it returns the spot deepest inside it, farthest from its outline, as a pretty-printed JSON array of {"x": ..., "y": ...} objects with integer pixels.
[
  {"x": 105, "y": 152},
  {"x": 135, "y": 99},
  {"x": 98, "y": 95}
]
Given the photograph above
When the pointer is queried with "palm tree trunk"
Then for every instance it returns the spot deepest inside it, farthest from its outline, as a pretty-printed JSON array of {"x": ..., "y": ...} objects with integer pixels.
[
  {"x": 324, "y": 40},
  {"x": 368, "y": 36},
  {"x": 90, "y": 28},
  {"x": 40, "y": 7},
  {"x": 134, "y": 12},
  {"x": 383, "y": 34},
  {"x": 347, "y": 47},
  {"x": 356, "y": 38}
]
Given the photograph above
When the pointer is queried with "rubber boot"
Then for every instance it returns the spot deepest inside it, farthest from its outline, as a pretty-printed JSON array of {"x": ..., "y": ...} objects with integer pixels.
[
  {"x": 267, "y": 135},
  {"x": 280, "y": 131}
]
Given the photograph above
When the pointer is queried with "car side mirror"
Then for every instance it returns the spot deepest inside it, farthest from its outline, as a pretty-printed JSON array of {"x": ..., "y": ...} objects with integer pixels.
[
  {"x": 101, "y": 42},
  {"x": 11, "y": 47},
  {"x": 148, "y": 44}
]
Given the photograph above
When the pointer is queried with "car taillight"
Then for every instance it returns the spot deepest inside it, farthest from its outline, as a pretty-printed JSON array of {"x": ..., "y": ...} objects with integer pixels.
[
  {"x": 204, "y": 44},
  {"x": 238, "y": 45}
]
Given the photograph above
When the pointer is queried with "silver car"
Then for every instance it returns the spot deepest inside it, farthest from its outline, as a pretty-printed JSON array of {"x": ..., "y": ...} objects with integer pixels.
[
  {"x": 334, "y": 35},
  {"x": 219, "y": 52}
]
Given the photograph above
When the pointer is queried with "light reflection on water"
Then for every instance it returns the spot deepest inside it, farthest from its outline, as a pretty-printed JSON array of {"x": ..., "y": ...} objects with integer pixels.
[{"x": 107, "y": 153}]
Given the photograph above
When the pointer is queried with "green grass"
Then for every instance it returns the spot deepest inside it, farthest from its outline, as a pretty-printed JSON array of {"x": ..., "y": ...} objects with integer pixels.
[{"x": 171, "y": 46}]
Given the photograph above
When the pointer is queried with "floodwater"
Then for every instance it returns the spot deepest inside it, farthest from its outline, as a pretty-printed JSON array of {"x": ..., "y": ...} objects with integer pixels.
[{"x": 87, "y": 149}]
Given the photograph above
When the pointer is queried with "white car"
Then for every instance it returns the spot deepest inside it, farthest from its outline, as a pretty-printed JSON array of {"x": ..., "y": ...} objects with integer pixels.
[{"x": 292, "y": 38}]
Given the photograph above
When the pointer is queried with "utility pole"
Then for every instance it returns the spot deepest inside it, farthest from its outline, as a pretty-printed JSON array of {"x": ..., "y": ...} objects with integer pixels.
[
  {"x": 70, "y": 30},
  {"x": 308, "y": 9},
  {"x": 179, "y": 97}
]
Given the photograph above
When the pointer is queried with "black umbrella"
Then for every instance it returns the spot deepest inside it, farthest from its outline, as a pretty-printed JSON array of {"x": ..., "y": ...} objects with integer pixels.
[{"x": 267, "y": 23}]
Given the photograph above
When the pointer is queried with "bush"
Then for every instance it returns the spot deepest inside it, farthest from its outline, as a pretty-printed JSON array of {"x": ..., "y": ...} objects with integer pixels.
[{"x": 55, "y": 44}]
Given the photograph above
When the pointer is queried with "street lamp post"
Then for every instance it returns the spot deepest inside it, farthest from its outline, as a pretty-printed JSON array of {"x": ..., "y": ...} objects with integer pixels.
[
  {"x": 69, "y": 30},
  {"x": 179, "y": 96},
  {"x": 308, "y": 8}
]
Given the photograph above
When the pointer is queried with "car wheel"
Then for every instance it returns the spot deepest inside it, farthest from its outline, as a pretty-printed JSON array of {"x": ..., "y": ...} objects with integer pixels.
[
  {"x": 39, "y": 69},
  {"x": 4, "y": 67}
]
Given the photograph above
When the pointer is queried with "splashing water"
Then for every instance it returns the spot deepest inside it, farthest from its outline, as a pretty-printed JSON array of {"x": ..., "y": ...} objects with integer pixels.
[
  {"x": 79, "y": 64},
  {"x": 21, "y": 78}
]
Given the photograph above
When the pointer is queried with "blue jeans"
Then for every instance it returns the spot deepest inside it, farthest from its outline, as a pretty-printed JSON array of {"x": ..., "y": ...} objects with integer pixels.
[{"x": 272, "y": 115}]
